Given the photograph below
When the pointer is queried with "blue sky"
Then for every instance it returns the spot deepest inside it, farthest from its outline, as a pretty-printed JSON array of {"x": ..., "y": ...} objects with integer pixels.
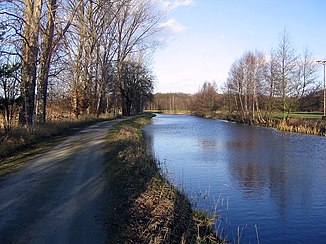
[{"x": 206, "y": 36}]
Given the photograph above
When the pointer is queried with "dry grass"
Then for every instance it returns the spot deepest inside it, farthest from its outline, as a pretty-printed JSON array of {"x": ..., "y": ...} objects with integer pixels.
[
  {"x": 21, "y": 144},
  {"x": 314, "y": 127},
  {"x": 303, "y": 124}
]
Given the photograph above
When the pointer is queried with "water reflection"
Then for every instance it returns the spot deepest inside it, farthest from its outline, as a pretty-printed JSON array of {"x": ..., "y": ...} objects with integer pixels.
[
  {"x": 276, "y": 179},
  {"x": 207, "y": 145}
]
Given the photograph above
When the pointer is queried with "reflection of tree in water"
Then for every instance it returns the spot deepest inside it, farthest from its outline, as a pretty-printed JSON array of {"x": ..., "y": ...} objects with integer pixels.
[
  {"x": 291, "y": 187},
  {"x": 208, "y": 145},
  {"x": 250, "y": 178},
  {"x": 257, "y": 165},
  {"x": 277, "y": 186},
  {"x": 244, "y": 164}
]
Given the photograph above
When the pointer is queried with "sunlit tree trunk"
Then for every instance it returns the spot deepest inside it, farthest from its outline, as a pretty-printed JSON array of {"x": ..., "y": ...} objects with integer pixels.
[
  {"x": 45, "y": 59},
  {"x": 30, "y": 49}
]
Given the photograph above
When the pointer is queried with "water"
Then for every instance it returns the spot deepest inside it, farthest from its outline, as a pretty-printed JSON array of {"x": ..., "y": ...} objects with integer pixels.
[{"x": 254, "y": 176}]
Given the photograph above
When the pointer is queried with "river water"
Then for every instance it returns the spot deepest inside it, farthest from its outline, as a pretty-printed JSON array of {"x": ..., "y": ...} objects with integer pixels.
[{"x": 262, "y": 182}]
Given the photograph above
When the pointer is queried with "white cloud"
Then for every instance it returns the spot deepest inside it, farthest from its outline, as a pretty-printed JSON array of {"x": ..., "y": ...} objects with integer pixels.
[
  {"x": 177, "y": 3},
  {"x": 173, "y": 26}
]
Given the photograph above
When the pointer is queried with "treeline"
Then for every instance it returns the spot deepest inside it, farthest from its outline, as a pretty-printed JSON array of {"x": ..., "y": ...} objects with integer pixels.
[
  {"x": 85, "y": 56},
  {"x": 257, "y": 86},
  {"x": 204, "y": 103}
]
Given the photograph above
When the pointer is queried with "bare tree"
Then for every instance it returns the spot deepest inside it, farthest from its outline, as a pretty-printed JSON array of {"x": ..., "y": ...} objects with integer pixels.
[
  {"x": 245, "y": 82},
  {"x": 270, "y": 78},
  {"x": 48, "y": 46},
  {"x": 205, "y": 102},
  {"x": 307, "y": 76},
  {"x": 286, "y": 67},
  {"x": 135, "y": 87}
]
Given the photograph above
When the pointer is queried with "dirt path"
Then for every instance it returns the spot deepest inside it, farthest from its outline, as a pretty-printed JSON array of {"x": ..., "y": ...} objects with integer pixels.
[{"x": 59, "y": 197}]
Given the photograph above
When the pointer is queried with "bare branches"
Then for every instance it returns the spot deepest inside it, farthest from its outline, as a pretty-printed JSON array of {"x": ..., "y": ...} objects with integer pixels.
[{"x": 282, "y": 83}]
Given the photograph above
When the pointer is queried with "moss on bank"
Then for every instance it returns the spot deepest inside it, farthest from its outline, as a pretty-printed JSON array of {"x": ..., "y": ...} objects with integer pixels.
[{"x": 143, "y": 206}]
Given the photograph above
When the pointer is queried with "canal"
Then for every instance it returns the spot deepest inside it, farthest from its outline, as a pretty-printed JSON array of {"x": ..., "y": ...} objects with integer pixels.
[{"x": 261, "y": 181}]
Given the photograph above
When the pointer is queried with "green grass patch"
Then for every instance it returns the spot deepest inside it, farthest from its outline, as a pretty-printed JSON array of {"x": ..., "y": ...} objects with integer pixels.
[{"x": 299, "y": 115}]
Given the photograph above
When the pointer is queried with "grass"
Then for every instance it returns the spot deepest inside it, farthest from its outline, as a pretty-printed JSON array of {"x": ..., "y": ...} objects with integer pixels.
[
  {"x": 143, "y": 206},
  {"x": 306, "y": 126},
  {"x": 300, "y": 115},
  {"x": 20, "y": 145}
]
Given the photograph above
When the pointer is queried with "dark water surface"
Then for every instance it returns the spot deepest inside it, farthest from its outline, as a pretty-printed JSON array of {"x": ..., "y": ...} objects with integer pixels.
[{"x": 255, "y": 176}]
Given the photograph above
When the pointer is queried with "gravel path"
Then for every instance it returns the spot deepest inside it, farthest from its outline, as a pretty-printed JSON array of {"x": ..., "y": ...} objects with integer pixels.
[{"x": 59, "y": 197}]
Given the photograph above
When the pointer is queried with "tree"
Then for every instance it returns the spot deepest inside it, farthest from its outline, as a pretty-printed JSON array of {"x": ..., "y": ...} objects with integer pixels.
[
  {"x": 176, "y": 102},
  {"x": 107, "y": 35},
  {"x": 307, "y": 76},
  {"x": 137, "y": 24},
  {"x": 48, "y": 45},
  {"x": 245, "y": 84},
  {"x": 286, "y": 64},
  {"x": 135, "y": 87},
  {"x": 29, "y": 55},
  {"x": 79, "y": 44},
  {"x": 9, "y": 93},
  {"x": 270, "y": 85},
  {"x": 205, "y": 102}
]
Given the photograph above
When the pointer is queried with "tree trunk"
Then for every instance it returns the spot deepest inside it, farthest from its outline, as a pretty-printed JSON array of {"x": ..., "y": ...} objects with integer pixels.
[
  {"x": 47, "y": 49},
  {"x": 30, "y": 50}
]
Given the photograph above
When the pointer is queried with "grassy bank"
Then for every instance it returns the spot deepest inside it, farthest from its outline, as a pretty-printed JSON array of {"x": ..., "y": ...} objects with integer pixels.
[
  {"x": 307, "y": 123},
  {"x": 143, "y": 206},
  {"x": 300, "y": 125},
  {"x": 21, "y": 145}
]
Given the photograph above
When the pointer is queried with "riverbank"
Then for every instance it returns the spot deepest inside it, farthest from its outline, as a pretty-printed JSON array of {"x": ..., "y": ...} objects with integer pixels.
[
  {"x": 303, "y": 125},
  {"x": 144, "y": 206}
]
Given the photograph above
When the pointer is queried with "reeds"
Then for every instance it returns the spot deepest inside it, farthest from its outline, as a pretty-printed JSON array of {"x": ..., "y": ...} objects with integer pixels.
[{"x": 313, "y": 127}]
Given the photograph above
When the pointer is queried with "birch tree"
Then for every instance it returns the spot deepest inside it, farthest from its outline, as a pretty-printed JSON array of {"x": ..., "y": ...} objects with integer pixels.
[{"x": 245, "y": 82}]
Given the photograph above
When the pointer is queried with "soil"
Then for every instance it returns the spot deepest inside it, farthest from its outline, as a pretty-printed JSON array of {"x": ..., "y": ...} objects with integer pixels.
[{"x": 60, "y": 197}]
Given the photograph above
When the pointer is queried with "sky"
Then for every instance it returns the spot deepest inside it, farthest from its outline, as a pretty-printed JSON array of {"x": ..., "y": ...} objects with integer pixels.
[{"x": 204, "y": 37}]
